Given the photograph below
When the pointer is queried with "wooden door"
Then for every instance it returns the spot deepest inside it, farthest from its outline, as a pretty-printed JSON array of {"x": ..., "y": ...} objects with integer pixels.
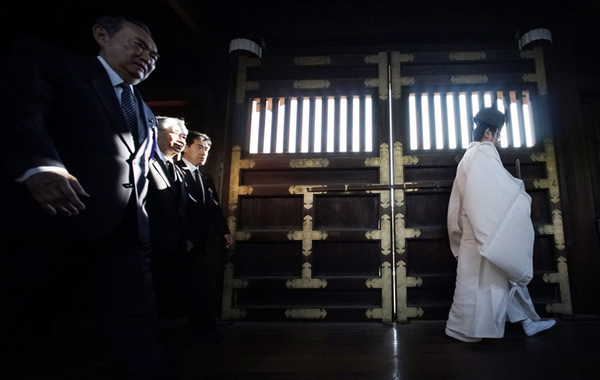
[
  {"x": 339, "y": 184},
  {"x": 307, "y": 127},
  {"x": 434, "y": 97}
]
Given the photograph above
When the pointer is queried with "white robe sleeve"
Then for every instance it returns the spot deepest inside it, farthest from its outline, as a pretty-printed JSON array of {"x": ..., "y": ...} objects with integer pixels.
[{"x": 499, "y": 211}]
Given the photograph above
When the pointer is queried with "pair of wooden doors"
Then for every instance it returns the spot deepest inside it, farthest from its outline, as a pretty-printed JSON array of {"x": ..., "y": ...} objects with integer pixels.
[{"x": 340, "y": 174}]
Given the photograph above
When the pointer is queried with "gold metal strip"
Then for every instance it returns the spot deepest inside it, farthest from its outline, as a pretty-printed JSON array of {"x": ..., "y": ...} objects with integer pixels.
[
  {"x": 400, "y": 160},
  {"x": 307, "y": 235},
  {"x": 308, "y": 195},
  {"x": 238, "y": 235},
  {"x": 312, "y": 61},
  {"x": 467, "y": 56},
  {"x": 468, "y": 79},
  {"x": 550, "y": 183},
  {"x": 385, "y": 312},
  {"x": 229, "y": 284},
  {"x": 396, "y": 75},
  {"x": 383, "y": 234},
  {"x": 402, "y": 284},
  {"x": 383, "y": 76},
  {"x": 383, "y": 162},
  {"x": 309, "y": 163},
  {"x": 403, "y": 233},
  {"x": 235, "y": 190},
  {"x": 561, "y": 278},
  {"x": 556, "y": 228},
  {"x": 311, "y": 84},
  {"x": 540, "y": 69},
  {"x": 306, "y": 313},
  {"x": 306, "y": 282}
]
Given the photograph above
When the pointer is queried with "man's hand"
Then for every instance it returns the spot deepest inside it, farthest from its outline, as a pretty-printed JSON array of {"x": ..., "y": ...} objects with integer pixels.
[
  {"x": 228, "y": 240},
  {"x": 57, "y": 192}
]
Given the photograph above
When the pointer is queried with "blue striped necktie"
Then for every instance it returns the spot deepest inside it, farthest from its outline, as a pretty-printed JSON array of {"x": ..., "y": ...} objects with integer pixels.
[{"x": 128, "y": 106}]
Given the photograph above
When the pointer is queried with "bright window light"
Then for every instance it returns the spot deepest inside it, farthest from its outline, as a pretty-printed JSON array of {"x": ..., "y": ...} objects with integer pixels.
[
  {"x": 439, "y": 128},
  {"x": 343, "y": 123},
  {"x": 293, "y": 118},
  {"x": 369, "y": 124},
  {"x": 412, "y": 113},
  {"x": 318, "y": 126},
  {"x": 514, "y": 119},
  {"x": 280, "y": 126},
  {"x": 425, "y": 121},
  {"x": 464, "y": 122},
  {"x": 356, "y": 124},
  {"x": 268, "y": 123},
  {"x": 254, "y": 126},
  {"x": 451, "y": 121},
  {"x": 330, "y": 123},
  {"x": 503, "y": 133}
]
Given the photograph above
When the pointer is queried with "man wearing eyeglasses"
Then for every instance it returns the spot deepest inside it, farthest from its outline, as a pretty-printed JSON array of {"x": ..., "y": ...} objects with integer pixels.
[
  {"x": 79, "y": 184},
  {"x": 491, "y": 236}
]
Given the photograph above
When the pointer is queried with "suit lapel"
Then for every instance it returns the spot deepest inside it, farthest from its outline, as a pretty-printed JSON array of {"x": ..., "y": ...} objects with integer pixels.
[
  {"x": 106, "y": 93},
  {"x": 161, "y": 169}
]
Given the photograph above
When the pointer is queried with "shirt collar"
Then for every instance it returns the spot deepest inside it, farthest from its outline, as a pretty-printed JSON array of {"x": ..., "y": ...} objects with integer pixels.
[
  {"x": 190, "y": 166},
  {"x": 115, "y": 79},
  {"x": 162, "y": 156}
]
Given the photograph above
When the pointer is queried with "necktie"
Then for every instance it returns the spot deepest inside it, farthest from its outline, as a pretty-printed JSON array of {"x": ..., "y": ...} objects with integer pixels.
[
  {"x": 171, "y": 170},
  {"x": 199, "y": 183},
  {"x": 128, "y": 106}
]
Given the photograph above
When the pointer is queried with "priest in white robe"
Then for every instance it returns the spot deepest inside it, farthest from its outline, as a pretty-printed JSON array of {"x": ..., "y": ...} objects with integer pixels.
[{"x": 491, "y": 236}]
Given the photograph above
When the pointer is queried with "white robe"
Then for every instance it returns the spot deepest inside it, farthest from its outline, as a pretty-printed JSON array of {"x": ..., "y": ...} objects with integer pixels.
[{"x": 489, "y": 218}]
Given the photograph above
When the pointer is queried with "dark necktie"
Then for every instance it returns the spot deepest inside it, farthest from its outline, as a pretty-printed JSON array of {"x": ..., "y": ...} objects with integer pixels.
[
  {"x": 199, "y": 184},
  {"x": 171, "y": 170},
  {"x": 128, "y": 106},
  {"x": 197, "y": 177}
]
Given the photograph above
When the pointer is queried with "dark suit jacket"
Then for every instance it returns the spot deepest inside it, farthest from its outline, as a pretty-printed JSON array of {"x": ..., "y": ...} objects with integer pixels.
[
  {"x": 62, "y": 110},
  {"x": 203, "y": 213},
  {"x": 166, "y": 206}
]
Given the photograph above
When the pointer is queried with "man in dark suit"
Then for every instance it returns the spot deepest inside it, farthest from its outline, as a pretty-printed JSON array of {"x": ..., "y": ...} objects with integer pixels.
[
  {"x": 208, "y": 213},
  {"x": 167, "y": 192},
  {"x": 77, "y": 182},
  {"x": 205, "y": 213},
  {"x": 176, "y": 273}
]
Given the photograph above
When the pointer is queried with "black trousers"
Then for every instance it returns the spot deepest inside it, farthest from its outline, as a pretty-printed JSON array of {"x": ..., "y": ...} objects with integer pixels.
[
  {"x": 121, "y": 290},
  {"x": 178, "y": 277}
]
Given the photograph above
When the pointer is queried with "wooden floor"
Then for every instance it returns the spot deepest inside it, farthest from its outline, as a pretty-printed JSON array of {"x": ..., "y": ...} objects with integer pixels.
[{"x": 327, "y": 351}]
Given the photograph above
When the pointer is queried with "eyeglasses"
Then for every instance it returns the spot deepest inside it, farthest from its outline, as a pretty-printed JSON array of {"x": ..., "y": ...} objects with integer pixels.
[
  {"x": 182, "y": 136},
  {"x": 142, "y": 47}
]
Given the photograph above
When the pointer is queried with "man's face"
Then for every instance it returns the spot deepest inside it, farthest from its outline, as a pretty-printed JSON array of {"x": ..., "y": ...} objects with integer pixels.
[
  {"x": 131, "y": 52},
  {"x": 493, "y": 137},
  {"x": 197, "y": 153},
  {"x": 496, "y": 140},
  {"x": 171, "y": 140}
]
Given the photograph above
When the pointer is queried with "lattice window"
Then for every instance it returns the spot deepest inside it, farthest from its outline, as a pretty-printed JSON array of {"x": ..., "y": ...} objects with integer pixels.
[
  {"x": 319, "y": 124},
  {"x": 444, "y": 120}
]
